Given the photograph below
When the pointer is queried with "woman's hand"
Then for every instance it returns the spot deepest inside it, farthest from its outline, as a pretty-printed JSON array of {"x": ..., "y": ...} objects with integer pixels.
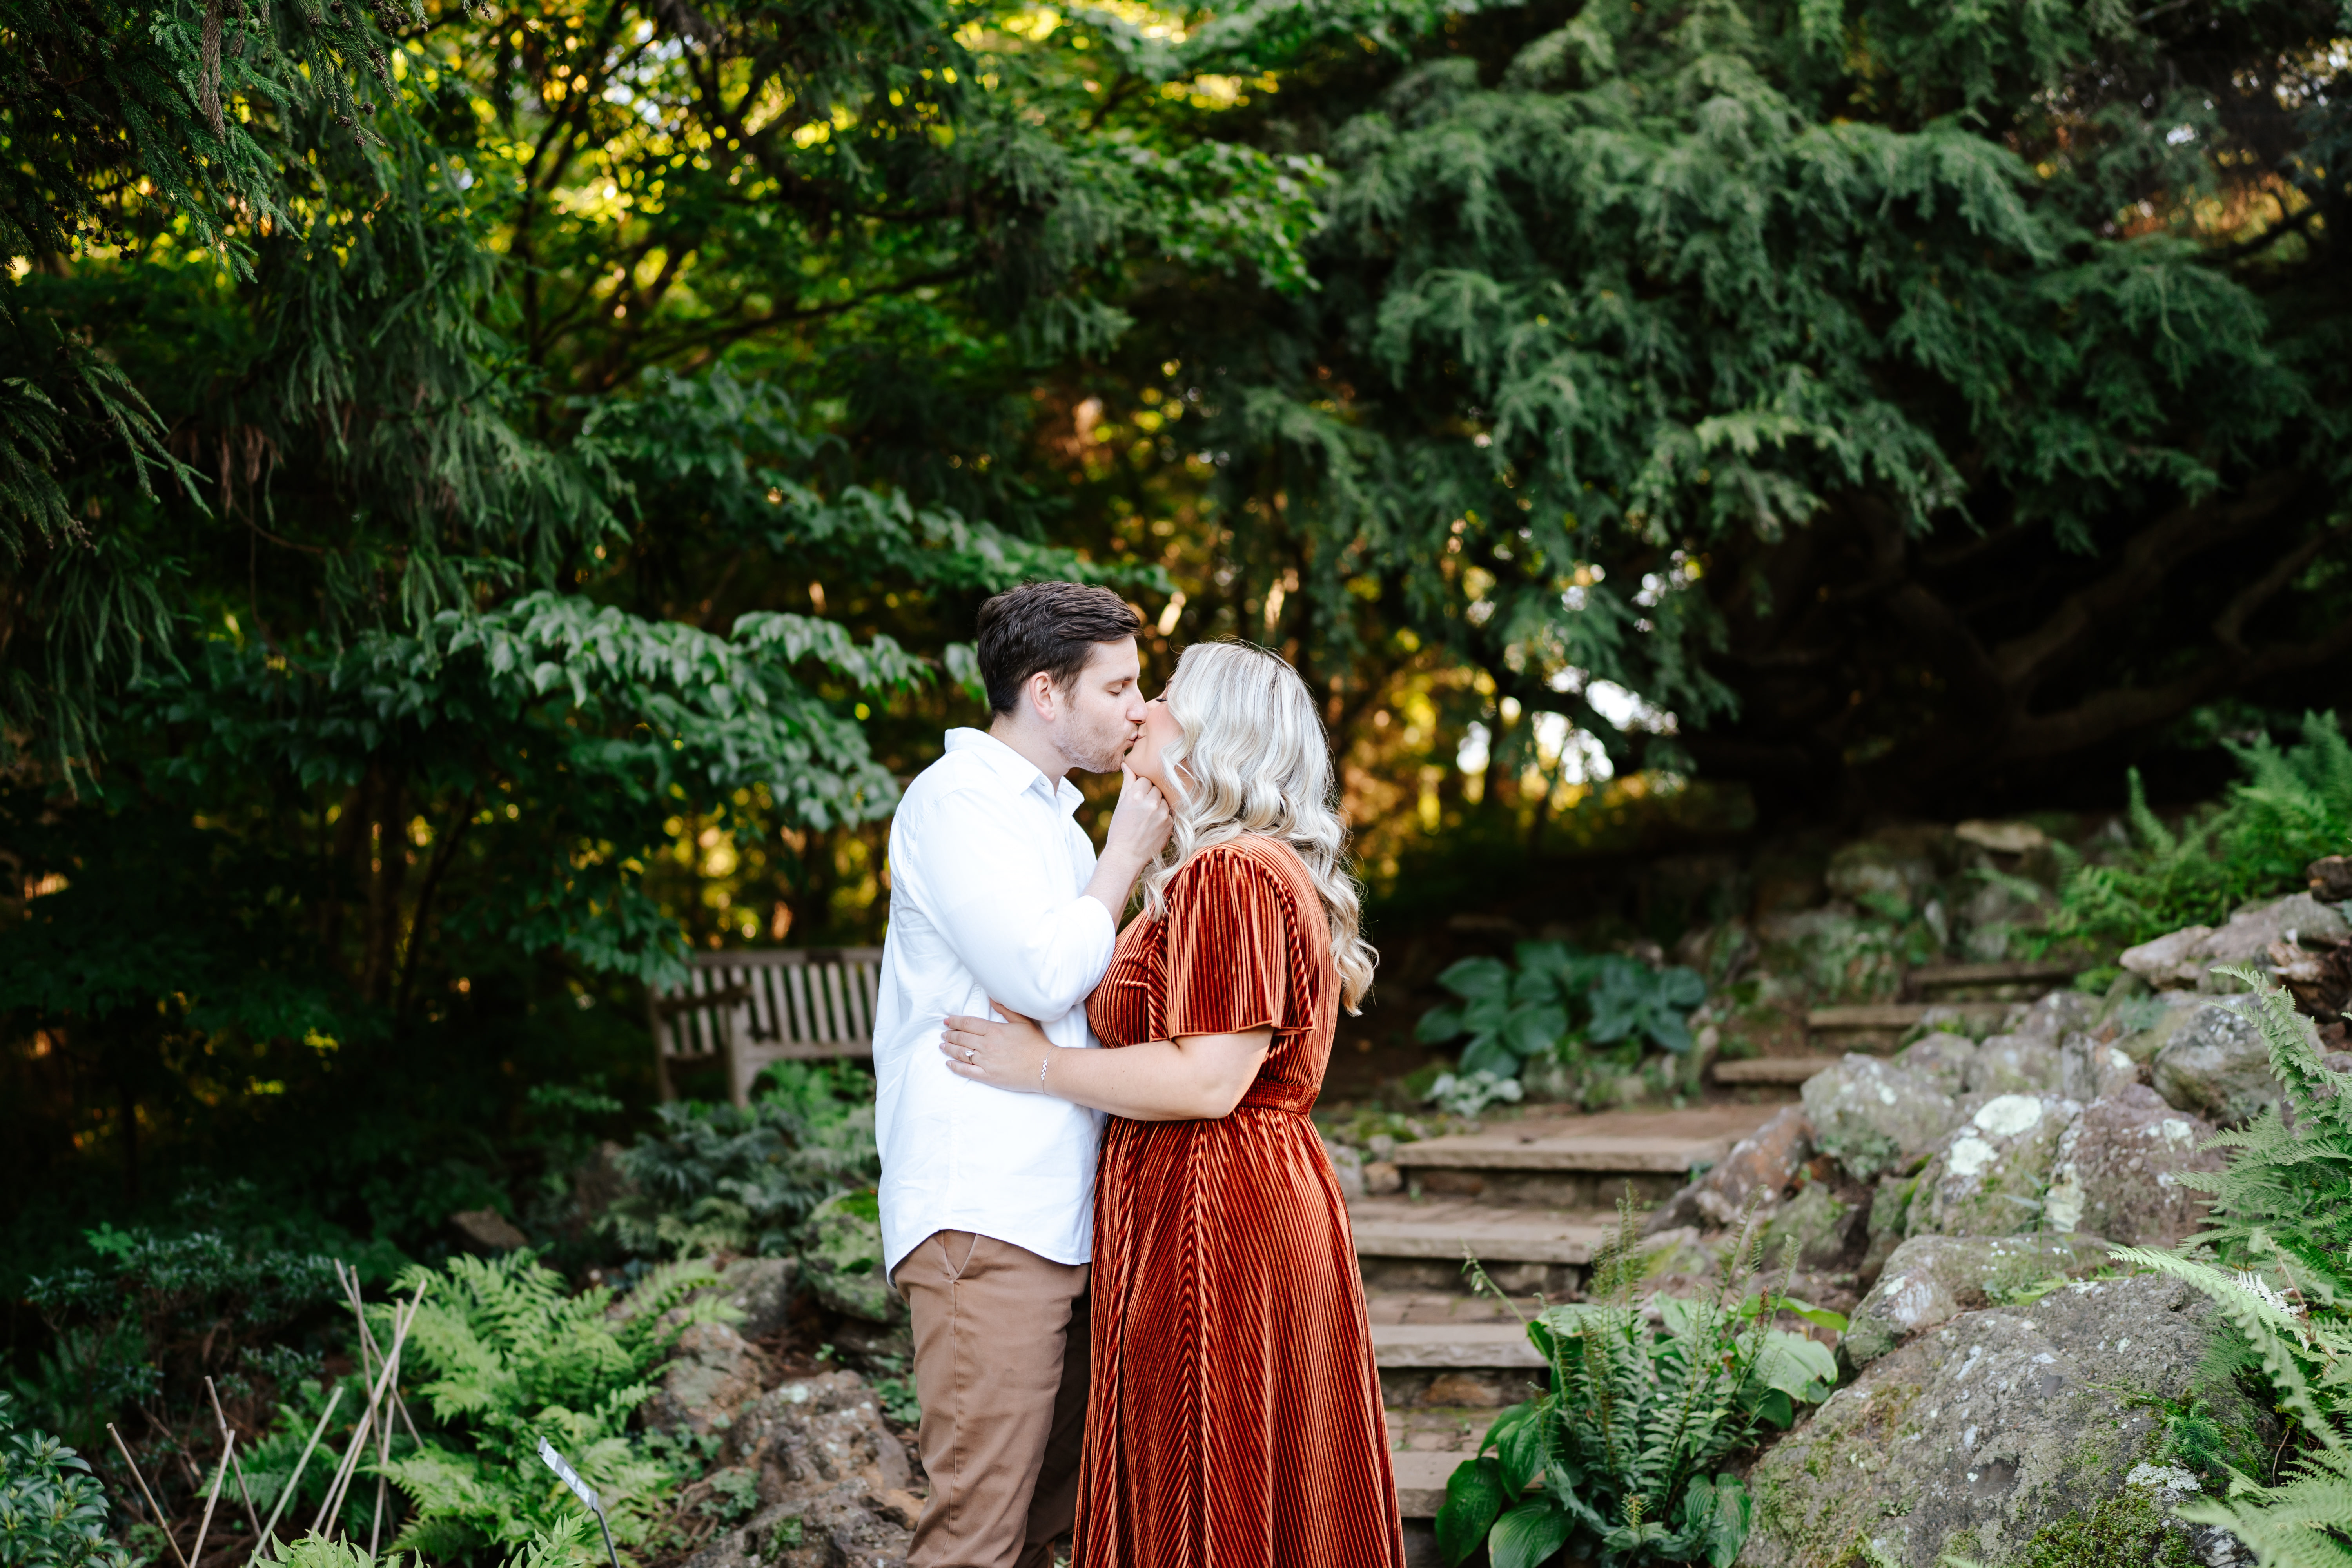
[{"x": 1012, "y": 1056}]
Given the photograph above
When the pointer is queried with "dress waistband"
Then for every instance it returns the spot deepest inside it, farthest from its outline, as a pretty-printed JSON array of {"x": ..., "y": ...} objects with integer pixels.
[{"x": 1298, "y": 1099}]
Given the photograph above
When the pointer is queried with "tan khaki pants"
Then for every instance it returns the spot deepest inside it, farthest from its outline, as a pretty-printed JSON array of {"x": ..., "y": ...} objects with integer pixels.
[{"x": 1001, "y": 1368}]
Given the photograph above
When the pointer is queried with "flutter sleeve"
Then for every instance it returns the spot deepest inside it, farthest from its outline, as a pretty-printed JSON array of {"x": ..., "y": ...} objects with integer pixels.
[{"x": 1230, "y": 939}]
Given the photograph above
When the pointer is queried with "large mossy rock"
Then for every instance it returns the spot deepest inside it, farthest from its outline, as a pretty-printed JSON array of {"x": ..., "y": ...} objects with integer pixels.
[
  {"x": 2185, "y": 959},
  {"x": 841, "y": 1257},
  {"x": 1821, "y": 1224},
  {"x": 1761, "y": 1167},
  {"x": 2118, "y": 1171},
  {"x": 2013, "y": 1064},
  {"x": 1870, "y": 1115},
  {"x": 2215, "y": 1064},
  {"x": 830, "y": 1481},
  {"x": 1981, "y": 1432},
  {"x": 1941, "y": 1059},
  {"x": 1992, "y": 1176},
  {"x": 1931, "y": 1279}
]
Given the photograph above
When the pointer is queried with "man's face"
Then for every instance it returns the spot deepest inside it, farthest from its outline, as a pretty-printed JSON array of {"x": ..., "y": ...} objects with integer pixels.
[{"x": 1098, "y": 717}]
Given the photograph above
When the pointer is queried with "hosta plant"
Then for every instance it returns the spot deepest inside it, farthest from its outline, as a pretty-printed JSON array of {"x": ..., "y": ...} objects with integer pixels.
[
  {"x": 1626, "y": 1458},
  {"x": 1557, "y": 999}
]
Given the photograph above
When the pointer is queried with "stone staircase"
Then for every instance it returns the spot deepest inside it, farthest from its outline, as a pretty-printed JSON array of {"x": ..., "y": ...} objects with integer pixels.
[{"x": 1533, "y": 1199}]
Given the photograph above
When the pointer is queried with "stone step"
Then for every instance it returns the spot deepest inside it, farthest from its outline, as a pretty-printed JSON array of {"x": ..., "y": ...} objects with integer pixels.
[
  {"x": 1956, "y": 977},
  {"x": 1879, "y": 1016},
  {"x": 1772, "y": 1069},
  {"x": 1399, "y": 1227},
  {"x": 1581, "y": 1162},
  {"x": 1477, "y": 1347},
  {"x": 1420, "y": 1481}
]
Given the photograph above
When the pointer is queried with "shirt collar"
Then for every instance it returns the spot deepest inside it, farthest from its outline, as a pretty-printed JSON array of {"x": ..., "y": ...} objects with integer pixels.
[{"x": 1016, "y": 771}]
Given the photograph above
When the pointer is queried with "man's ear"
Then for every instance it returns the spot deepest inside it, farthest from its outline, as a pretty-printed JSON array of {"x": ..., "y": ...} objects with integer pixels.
[{"x": 1044, "y": 698}]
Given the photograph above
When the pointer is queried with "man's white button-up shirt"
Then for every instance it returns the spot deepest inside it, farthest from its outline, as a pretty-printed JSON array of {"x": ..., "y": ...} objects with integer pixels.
[{"x": 987, "y": 869}]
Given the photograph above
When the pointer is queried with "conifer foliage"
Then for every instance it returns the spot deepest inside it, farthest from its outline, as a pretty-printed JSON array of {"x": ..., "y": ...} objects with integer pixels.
[{"x": 1906, "y": 397}]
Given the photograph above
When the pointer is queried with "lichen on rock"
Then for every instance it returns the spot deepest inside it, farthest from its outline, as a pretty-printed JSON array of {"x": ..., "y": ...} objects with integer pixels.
[
  {"x": 1991, "y": 1178},
  {"x": 1870, "y": 1115},
  {"x": 842, "y": 1258},
  {"x": 1978, "y": 1435}
]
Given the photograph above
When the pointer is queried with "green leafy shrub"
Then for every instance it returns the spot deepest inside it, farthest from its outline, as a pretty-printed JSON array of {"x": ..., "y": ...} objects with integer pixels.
[
  {"x": 514, "y": 1356},
  {"x": 156, "y": 1314},
  {"x": 1558, "y": 1002},
  {"x": 1629, "y": 1445},
  {"x": 2280, "y": 1268},
  {"x": 2294, "y": 805},
  {"x": 52, "y": 1510},
  {"x": 715, "y": 1178}
]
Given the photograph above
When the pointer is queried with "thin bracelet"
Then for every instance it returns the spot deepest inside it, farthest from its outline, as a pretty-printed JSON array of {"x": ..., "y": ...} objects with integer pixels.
[{"x": 1041, "y": 1071}]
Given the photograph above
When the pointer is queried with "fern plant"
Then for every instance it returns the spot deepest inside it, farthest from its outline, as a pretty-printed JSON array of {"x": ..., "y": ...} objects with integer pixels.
[
  {"x": 569, "y": 1543},
  {"x": 1630, "y": 1442},
  {"x": 514, "y": 1356},
  {"x": 714, "y": 1178},
  {"x": 2279, "y": 1268},
  {"x": 2294, "y": 805}
]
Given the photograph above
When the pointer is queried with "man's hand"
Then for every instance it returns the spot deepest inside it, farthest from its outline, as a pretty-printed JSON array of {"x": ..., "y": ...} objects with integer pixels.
[
  {"x": 1140, "y": 823},
  {"x": 1139, "y": 827}
]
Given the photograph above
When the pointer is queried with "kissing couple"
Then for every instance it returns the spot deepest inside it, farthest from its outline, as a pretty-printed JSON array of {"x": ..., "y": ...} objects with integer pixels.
[{"x": 1136, "y": 1314}]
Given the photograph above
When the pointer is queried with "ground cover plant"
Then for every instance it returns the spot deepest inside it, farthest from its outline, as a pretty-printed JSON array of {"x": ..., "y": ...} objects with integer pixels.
[
  {"x": 718, "y": 1178},
  {"x": 1578, "y": 1014},
  {"x": 1633, "y": 1444},
  {"x": 2292, "y": 806},
  {"x": 2276, "y": 1256}
]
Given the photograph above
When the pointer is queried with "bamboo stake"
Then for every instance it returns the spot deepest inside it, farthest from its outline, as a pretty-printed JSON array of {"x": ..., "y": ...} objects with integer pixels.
[
  {"x": 161, "y": 1522},
  {"x": 299, "y": 1464},
  {"x": 367, "y": 1340},
  {"x": 383, "y": 1456},
  {"x": 375, "y": 1397},
  {"x": 228, "y": 1447},
  {"x": 251, "y": 1518}
]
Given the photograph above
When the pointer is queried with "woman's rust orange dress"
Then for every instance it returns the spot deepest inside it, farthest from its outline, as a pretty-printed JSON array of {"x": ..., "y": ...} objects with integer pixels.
[{"x": 1235, "y": 1418}]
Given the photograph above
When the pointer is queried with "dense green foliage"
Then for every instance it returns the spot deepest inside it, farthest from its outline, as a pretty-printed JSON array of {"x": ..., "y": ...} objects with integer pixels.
[
  {"x": 2281, "y": 1233},
  {"x": 2293, "y": 806},
  {"x": 53, "y": 1513},
  {"x": 509, "y": 1355},
  {"x": 1633, "y": 1441},
  {"x": 158, "y": 1312},
  {"x": 1571, "y": 1017},
  {"x": 714, "y": 1178}
]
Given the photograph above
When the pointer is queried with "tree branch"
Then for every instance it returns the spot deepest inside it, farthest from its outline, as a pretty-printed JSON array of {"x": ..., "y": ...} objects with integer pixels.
[{"x": 2152, "y": 553}]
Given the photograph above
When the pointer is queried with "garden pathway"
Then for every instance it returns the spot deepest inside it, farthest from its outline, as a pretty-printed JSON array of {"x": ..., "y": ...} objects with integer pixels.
[{"x": 1531, "y": 1197}]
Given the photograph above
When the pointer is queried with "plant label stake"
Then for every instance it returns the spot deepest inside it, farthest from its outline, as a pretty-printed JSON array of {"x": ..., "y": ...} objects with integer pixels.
[{"x": 580, "y": 1490}]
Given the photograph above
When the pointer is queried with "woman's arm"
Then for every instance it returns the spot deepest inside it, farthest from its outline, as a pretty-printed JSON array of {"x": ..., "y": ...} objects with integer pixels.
[{"x": 1197, "y": 1077}]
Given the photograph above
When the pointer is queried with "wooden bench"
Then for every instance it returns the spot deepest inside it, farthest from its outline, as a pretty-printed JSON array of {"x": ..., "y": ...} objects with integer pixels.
[{"x": 751, "y": 1007}]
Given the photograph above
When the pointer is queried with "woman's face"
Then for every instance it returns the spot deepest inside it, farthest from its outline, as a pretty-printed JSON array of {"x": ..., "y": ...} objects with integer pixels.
[{"x": 1160, "y": 732}]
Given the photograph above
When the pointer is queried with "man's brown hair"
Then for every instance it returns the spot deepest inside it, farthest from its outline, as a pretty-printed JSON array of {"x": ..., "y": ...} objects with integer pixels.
[{"x": 1051, "y": 627}]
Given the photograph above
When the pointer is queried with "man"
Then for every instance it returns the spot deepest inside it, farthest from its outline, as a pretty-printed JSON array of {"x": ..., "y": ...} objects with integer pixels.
[{"x": 988, "y": 1198}]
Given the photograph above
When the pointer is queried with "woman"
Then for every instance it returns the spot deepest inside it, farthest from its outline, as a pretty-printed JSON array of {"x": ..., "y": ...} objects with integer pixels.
[{"x": 1235, "y": 1414}]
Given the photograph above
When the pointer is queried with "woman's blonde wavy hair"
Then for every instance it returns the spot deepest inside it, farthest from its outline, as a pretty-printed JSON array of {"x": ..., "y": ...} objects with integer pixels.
[{"x": 1254, "y": 759}]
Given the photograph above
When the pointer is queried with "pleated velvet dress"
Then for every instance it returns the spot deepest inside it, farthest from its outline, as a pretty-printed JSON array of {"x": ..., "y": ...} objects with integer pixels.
[{"x": 1235, "y": 1418}]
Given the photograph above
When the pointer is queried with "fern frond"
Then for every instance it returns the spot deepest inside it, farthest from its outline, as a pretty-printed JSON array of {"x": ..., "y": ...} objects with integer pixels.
[{"x": 2304, "y": 1523}]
